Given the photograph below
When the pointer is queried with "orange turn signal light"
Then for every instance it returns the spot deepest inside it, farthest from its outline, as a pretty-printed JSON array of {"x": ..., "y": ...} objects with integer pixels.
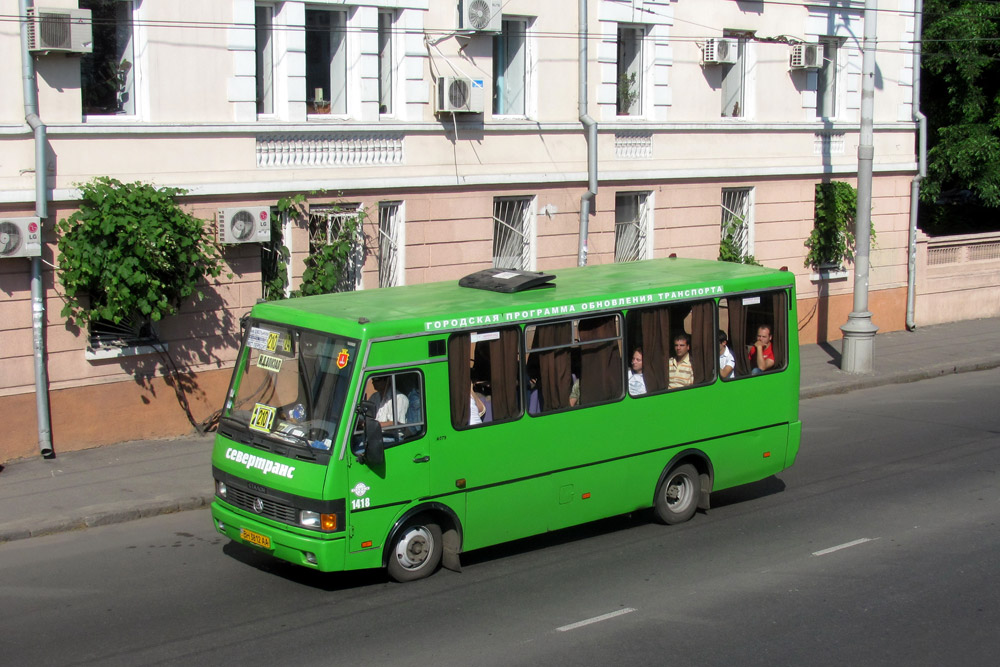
[{"x": 328, "y": 521}]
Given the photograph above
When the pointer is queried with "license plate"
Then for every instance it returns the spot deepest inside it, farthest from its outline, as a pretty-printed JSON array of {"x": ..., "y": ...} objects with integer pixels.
[{"x": 255, "y": 538}]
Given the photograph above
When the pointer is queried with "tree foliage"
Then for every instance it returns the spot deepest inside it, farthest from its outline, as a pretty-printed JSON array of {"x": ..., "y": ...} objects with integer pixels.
[
  {"x": 961, "y": 98},
  {"x": 831, "y": 241},
  {"x": 130, "y": 253}
]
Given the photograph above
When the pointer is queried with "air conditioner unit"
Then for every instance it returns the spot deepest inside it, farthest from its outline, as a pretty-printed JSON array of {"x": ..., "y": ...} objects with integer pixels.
[
  {"x": 20, "y": 237},
  {"x": 482, "y": 15},
  {"x": 59, "y": 30},
  {"x": 459, "y": 94},
  {"x": 807, "y": 56},
  {"x": 249, "y": 224},
  {"x": 720, "y": 51}
]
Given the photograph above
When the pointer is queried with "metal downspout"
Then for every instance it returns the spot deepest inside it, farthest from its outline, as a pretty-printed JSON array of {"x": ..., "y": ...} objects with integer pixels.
[
  {"x": 590, "y": 127},
  {"x": 42, "y": 211},
  {"x": 911, "y": 273}
]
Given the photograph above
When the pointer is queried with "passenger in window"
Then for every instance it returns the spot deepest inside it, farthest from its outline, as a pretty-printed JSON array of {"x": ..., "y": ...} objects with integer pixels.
[
  {"x": 762, "y": 352},
  {"x": 679, "y": 371},
  {"x": 574, "y": 392},
  {"x": 636, "y": 383},
  {"x": 477, "y": 408},
  {"x": 382, "y": 399},
  {"x": 727, "y": 362}
]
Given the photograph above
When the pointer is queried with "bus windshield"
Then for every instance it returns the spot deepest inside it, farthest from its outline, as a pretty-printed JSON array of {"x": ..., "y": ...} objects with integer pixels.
[{"x": 289, "y": 388}]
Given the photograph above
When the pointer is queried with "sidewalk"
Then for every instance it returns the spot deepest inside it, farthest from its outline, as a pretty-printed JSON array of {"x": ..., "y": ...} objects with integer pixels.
[{"x": 132, "y": 480}]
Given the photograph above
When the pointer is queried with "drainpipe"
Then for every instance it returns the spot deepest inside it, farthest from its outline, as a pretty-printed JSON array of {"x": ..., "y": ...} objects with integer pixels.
[
  {"x": 42, "y": 211},
  {"x": 911, "y": 279},
  {"x": 590, "y": 127}
]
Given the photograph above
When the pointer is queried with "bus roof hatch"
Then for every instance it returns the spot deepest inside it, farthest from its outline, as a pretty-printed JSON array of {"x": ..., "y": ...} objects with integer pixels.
[{"x": 507, "y": 280}]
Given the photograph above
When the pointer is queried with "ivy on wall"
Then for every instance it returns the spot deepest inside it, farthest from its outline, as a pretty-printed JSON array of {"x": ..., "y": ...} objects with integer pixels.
[{"x": 130, "y": 253}]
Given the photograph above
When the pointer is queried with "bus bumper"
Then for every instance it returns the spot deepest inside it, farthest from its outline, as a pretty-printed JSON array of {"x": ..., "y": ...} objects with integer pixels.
[{"x": 327, "y": 552}]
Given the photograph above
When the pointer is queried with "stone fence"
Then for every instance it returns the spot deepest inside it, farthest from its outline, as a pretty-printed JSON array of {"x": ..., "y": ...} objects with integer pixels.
[{"x": 958, "y": 278}]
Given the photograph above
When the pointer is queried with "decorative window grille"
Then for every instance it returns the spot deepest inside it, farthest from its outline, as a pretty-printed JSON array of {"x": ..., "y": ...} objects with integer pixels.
[
  {"x": 737, "y": 220},
  {"x": 632, "y": 226},
  {"x": 512, "y": 218},
  {"x": 390, "y": 227},
  {"x": 326, "y": 226}
]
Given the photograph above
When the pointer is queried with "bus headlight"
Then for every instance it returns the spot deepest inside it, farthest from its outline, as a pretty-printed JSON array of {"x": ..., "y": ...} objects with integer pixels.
[
  {"x": 317, "y": 521},
  {"x": 220, "y": 488}
]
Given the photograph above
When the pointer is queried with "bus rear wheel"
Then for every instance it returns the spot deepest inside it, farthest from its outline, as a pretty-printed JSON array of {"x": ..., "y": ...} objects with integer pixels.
[
  {"x": 416, "y": 551},
  {"x": 677, "y": 495}
]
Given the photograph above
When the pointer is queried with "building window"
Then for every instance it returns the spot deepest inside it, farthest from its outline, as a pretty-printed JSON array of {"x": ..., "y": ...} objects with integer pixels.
[
  {"x": 510, "y": 68},
  {"x": 826, "y": 80},
  {"x": 390, "y": 256},
  {"x": 512, "y": 228},
  {"x": 737, "y": 219},
  {"x": 326, "y": 62},
  {"x": 632, "y": 222},
  {"x": 629, "y": 91},
  {"x": 385, "y": 69},
  {"x": 734, "y": 82},
  {"x": 329, "y": 226},
  {"x": 107, "y": 74},
  {"x": 264, "y": 51}
]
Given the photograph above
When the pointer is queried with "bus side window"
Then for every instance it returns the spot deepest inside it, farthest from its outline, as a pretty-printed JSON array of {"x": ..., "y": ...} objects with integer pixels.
[
  {"x": 399, "y": 400},
  {"x": 483, "y": 376},
  {"x": 758, "y": 317},
  {"x": 660, "y": 329},
  {"x": 574, "y": 363}
]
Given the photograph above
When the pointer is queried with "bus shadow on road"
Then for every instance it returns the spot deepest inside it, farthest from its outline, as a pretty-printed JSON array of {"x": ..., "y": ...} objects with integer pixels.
[
  {"x": 753, "y": 491},
  {"x": 325, "y": 581}
]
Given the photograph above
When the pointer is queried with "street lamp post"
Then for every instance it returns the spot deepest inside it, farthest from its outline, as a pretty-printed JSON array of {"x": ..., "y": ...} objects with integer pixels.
[{"x": 859, "y": 332}]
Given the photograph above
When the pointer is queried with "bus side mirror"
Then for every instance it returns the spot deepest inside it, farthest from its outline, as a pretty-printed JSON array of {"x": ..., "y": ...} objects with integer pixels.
[
  {"x": 371, "y": 449},
  {"x": 374, "y": 446}
]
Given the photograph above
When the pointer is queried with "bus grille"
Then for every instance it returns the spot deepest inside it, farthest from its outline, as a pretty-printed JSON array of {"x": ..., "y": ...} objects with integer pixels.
[{"x": 271, "y": 510}]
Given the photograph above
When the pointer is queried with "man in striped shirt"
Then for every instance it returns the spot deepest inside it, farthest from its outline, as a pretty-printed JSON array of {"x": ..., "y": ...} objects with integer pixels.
[{"x": 679, "y": 373}]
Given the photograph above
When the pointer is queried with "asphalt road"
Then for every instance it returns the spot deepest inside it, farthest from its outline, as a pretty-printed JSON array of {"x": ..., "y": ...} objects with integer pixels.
[{"x": 880, "y": 547}]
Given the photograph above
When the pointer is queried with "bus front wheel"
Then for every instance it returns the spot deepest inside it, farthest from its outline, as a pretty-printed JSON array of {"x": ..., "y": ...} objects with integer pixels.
[
  {"x": 677, "y": 495},
  {"x": 416, "y": 551}
]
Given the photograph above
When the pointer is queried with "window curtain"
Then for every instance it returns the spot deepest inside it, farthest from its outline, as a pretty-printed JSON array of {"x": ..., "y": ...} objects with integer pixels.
[
  {"x": 737, "y": 335},
  {"x": 554, "y": 365},
  {"x": 779, "y": 329},
  {"x": 656, "y": 346},
  {"x": 600, "y": 363},
  {"x": 504, "y": 367},
  {"x": 459, "y": 378},
  {"x": 704, "y": 344}
]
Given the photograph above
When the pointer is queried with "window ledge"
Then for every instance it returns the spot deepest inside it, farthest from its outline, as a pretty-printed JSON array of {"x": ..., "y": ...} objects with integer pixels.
[
  {"x": 828, "y": 273},
  {"x": 121, "y": 351}
]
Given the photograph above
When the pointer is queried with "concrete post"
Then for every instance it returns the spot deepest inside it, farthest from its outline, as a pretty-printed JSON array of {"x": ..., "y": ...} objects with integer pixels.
[{"x": 859, "y": 332}]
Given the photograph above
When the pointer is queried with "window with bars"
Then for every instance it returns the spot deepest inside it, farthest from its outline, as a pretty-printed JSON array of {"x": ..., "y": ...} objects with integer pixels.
[
  {"x": 632, "y": 226},
  {"x": 390, "y": 231},
  {"x": 512, "y": 228},
  {"x": 737, "y": 220},
  {"x": 329, "y": 226}
]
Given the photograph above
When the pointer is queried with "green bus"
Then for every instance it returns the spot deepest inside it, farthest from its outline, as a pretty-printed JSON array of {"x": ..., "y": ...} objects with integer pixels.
[{"x": 401, "y": 427}]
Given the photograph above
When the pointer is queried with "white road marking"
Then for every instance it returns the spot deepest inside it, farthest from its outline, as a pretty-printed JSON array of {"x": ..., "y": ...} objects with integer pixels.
[
  {"x": 846, "y": 545},
  {"x": 596, "y": 619}
]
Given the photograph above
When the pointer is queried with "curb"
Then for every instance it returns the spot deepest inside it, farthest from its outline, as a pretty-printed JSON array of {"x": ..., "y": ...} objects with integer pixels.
[
  {"x": 874, "y": 380},
  {"x": 96, "y": 516}
]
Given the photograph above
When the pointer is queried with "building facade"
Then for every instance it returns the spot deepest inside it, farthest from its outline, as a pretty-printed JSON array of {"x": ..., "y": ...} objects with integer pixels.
[{"x": 455, "y": 129}]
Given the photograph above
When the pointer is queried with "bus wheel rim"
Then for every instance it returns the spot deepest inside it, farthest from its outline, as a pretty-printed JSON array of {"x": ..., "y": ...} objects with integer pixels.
[
  {"x": 415, "y": 547},
  {"x": 679, "y": 492}
]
